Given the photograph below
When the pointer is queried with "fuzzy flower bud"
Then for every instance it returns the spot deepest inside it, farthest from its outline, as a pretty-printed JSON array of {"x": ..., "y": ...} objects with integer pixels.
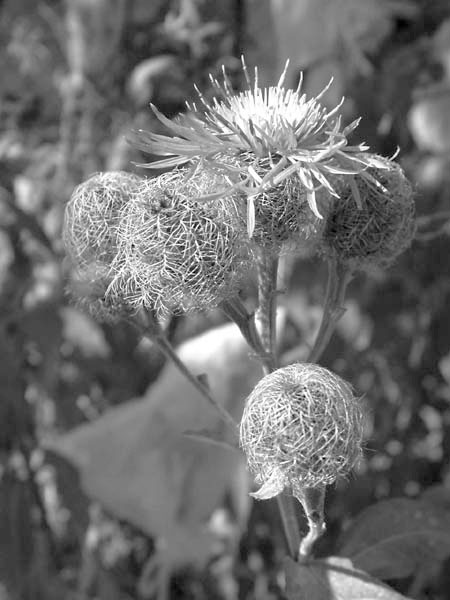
[
  {"x": 179, "y": 252},
  {"x": 373, "y": 220},
  {"x": 91, "y": 217},
  {"x": 301, "y": 428}
]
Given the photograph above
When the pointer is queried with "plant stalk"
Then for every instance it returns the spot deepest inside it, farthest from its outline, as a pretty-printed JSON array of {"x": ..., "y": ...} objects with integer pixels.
[
  {"x": 339, "y": 276},
  {"x": 154, "y": 333},
  {"x": 267, "y": 307}
]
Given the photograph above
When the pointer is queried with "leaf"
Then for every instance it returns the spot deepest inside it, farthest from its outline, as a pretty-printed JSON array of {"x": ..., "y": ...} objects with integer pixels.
[
  {"x": 333, "y": 579},
  {"x": 270, "y": 488},
  {"x": 16, "y": 543},
  {"x": 391, "y": 539},
  {"x": 138, "y": 462}
]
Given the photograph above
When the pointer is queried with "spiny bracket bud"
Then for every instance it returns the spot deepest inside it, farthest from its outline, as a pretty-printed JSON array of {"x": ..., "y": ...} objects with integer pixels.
[
  {"x": 301, "y": 428},
  {"x": 180, "y": 251},
  {"x": 91, "y": 217},
  {"x": 373, "y": 220}
]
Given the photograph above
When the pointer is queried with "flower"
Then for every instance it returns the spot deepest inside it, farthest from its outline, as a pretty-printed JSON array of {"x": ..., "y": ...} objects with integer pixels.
[
  {"x": 91, "y": 217},
  {"x": 301, "y": 428},
  {"x": 259, "y": 138},
  {"x": 176, "y": 254},
  {"x": 374, "y": 220}
]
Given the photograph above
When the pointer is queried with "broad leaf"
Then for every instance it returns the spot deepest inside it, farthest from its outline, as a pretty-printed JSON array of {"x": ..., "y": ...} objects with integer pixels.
[
  {"x": 333, "y": 579},
  {"x": 391, "y": 539},
  {"x": 139, "y": 463}
]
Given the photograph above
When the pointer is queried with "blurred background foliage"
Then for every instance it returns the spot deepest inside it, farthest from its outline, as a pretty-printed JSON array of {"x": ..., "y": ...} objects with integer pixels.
[{"x": 125, "y": 506}]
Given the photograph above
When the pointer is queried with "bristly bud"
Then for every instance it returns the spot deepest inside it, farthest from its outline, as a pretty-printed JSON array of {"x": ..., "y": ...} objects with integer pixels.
[
  {"x": 91, "y": 217},
  {"x": 302, "y": 427},
  {"x": 177, "y": 252},
  {"x": 373, "y": 221}
]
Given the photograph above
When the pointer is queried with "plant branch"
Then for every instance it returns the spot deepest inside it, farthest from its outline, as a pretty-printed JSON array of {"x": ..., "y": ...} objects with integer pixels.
[
  {"x": 153, "y": 331},
  {"x": 238, "y": 313},
  {"x": 312, "y": 500},
  {"x": 286, "y": 506},
  {"x": 267, "y": 307},
  {"x": 339, "y": 276}
]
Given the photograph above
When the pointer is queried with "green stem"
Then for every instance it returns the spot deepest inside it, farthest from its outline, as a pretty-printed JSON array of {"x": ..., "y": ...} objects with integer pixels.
[
  {"x": 238, "y": 313},
  {"x": 267, "y": 307},
  {"x": 339, "y": 276},
  {"x": 287, "y": 508},
  {"x": 312, "y": 500}
]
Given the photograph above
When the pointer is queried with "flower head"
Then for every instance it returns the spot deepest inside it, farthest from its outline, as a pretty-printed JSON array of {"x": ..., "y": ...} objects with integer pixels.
[
  {"x": 374, "y": 220},
  {"x": 177, "y": 254},
  {"x": 91, "y": 217},
  {"x": 259, "y": 138},
  {"x": 301, "y": 428}
]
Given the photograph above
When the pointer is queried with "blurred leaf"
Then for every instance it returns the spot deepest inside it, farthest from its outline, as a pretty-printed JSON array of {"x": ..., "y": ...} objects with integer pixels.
[
  {"x": 391, "y": 539},
  {"x": 333, "y": 579},
  {"x": 429, "y": 119},
  {"x": 16, "y": 544},
  {"x": 138, "y": 462},
  {"x": 310, "y": 31},
  {"x": 148, "y": 73},
  {"x": 438, "y": 495}
]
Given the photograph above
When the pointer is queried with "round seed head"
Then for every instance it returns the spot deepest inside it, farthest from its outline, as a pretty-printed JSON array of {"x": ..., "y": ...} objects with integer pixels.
[
  {"x": 180, "y": 250},
  {"x": 373, "y": 220},
  {"x": 301, "y": 427},
  {"x": 91, "y": 217}
]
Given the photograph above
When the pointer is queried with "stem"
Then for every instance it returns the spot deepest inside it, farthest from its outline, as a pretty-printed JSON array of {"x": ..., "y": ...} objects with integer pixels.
[
  {"x": 267, "y": 306},
  {"x": 167, "y": 349},
  {"x": 286, "y": 506},
  {"x": 312, "y": 500},
  {"x": 339, "y": 276},
  {"x": 267, "y": 313},
  {"x": 237, "y": 312},
  {"x": 153, "y": 331}
]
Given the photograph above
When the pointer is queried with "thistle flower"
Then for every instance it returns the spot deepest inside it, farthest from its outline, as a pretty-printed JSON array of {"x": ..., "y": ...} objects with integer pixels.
[
  {"x": 178, "y": 254},
  {"x": 301, "y": 428},
  {"x": 258, "y": 139},
  {"x": 91, "y": 217},
  {"x": 373, "y": 222}
]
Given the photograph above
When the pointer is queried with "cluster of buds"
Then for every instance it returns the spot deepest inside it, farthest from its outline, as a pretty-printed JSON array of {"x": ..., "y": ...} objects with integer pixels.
[
  {"x": 152, "y": 243},
  {"x": 262, "y": 170}
]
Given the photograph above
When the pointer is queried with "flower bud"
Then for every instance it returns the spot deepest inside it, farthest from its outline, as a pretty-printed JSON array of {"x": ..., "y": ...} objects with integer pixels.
[
  {"x": 301, "y": 428},
  {"x": 180, "y": 250},
  {"x": 91, "y": 217},
  {"x": 372, "y": 221}
]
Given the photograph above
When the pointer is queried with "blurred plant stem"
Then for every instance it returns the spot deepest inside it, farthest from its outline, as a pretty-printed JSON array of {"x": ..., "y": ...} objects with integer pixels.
[
  {"x": 151, "y": 329},
  {"x": 267, "y": 267},
  {"x": 339, "y": 276}
]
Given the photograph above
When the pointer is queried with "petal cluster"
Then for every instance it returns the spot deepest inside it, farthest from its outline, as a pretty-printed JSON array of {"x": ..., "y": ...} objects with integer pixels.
[{"x": 259, "y": 138}]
